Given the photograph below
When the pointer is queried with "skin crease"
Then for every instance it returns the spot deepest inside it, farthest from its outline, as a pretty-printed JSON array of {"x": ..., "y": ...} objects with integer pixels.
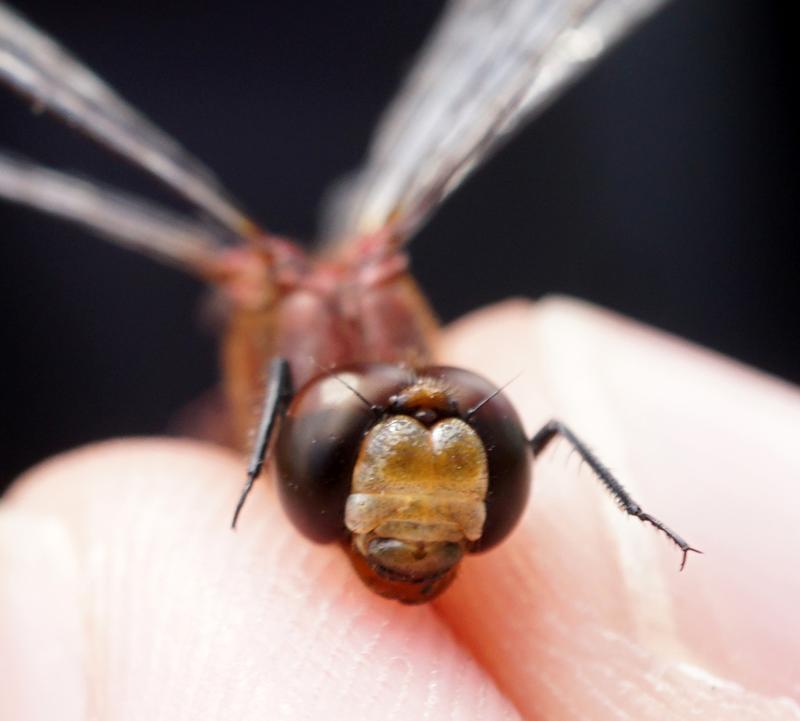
[{"x": 124, "y": 595}]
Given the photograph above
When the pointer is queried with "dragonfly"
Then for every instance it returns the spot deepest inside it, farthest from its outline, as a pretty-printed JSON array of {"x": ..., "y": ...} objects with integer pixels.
[{"x": 408, "y": 464}]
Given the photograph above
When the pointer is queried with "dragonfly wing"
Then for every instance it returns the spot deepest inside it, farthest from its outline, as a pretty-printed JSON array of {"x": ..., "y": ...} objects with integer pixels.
[
  {"x": 38, "y": 68},
  {"x": 489, "y": 66},
  {"x": 128, "y": 221}
]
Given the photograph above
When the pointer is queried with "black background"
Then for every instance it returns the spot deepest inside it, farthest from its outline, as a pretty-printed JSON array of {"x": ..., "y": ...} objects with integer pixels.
[{"x": 663, "y": 186}]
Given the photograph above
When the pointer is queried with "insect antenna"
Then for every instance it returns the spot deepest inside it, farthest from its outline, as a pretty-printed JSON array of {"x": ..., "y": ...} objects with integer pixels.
[
  {"x": 472, "y": 411},
  {"x": 373, "y": 407}
]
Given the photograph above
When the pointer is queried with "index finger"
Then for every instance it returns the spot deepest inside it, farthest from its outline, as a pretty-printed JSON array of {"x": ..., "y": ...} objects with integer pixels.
[{"x": 582, "y": 611}]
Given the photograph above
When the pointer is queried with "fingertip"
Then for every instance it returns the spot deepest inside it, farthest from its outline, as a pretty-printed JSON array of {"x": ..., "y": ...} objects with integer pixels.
[
  {"x": 191, "y": 620},
  {"x": 579, "y": 585}
]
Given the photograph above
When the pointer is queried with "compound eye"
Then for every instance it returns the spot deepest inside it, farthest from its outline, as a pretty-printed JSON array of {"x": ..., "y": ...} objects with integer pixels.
[
  {"x": 319, "y": 440},
  {"x": 507, "y": 449}
]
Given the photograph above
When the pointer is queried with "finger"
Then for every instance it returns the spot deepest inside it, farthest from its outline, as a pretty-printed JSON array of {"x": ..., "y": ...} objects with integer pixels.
[
  {"x": 582, "y": 612},
  {"x": 41, "y": 634},
  {"x": 143, "y": 604}
]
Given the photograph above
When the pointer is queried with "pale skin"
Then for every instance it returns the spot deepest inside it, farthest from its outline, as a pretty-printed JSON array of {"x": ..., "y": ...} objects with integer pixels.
[{"x": 125, "y": 595}]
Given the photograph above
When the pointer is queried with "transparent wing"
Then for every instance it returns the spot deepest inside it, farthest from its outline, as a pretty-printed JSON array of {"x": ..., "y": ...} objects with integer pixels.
[
  {"x": 124, "y": 219},
  {"x": 38, "y": 68},
  {"x": 489, "y": 66}
]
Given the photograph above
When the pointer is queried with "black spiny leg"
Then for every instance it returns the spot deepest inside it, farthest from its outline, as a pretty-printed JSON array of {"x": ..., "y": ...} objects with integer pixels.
[
  {"x": 276, "y": 400},
  {"x": 553, "y": 428}
]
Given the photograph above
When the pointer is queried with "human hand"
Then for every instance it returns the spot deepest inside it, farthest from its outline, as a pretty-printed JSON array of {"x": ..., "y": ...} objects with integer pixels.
[{"x": 125, "y": 595}]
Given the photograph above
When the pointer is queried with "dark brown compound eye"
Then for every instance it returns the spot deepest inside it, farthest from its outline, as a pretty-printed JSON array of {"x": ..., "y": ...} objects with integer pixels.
[
  {"x": 507, "y": 448},
  {"x": 319, "y": 441}
]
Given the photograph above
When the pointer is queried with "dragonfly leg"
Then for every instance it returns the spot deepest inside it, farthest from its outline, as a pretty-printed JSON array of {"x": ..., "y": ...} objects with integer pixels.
[
  {"x": 278, "y": 395},
  {"x": 555, "y": 428}
]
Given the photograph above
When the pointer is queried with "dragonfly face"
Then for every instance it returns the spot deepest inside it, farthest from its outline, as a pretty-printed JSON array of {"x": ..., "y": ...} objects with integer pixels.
[
  {"x": 410, "y": 464},
  {"x": 410, "y": 468}
]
